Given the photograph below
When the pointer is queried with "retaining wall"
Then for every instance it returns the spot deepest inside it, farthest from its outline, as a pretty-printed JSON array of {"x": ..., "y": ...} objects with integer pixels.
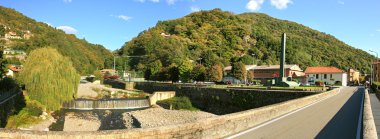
[
  {"x": 225, "y": 100},
  {"x": 215, "y": 127}
]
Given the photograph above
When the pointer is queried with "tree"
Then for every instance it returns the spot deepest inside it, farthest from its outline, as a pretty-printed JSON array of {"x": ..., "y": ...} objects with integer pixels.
[
  {"x": 199, "y": 73},
  {"x": 215, "y": 73},
  {"x": 238, "y": 71},
  {"x": 3, "y": 61},
  {"x": 250, "y": 76},
  {"x": 50, "y": 78},
  {"x": 174, "y": 73},
  {"x": 185, "y": 70},
  {"x": 2, "y": 30}
]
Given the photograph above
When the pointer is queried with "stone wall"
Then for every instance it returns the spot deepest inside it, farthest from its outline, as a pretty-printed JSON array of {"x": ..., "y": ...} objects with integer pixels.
[
  {"x": 225, "y": 100},
  {"x": 215, "y": 127}
]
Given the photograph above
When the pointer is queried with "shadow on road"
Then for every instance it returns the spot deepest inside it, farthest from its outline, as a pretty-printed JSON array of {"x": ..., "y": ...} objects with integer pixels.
[{"x": 345, "y": 123}]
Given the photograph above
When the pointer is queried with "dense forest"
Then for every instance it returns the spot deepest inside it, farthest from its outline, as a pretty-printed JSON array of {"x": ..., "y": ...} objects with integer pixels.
[
  {"x": 217, "y": 37},
  {"x": 86, "y": 57}
]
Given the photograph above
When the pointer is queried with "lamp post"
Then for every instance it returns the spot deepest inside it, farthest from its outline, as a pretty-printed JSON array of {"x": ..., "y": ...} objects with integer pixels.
[{"x": 372, "y": 71}]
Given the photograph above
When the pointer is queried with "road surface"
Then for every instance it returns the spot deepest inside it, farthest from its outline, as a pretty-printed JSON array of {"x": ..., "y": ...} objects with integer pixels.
[{"x": 336, "y": 117}]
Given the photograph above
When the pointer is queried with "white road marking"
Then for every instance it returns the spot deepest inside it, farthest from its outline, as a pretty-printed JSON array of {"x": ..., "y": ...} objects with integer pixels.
[{"x": 276, "y": 119}]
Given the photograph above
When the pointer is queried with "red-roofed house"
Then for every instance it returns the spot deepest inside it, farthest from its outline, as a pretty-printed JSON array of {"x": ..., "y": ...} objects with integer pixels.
[{"x": 327, "y": 75}]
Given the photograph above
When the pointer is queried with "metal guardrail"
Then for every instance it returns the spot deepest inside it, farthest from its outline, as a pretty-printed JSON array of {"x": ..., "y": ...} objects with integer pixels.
[{"x": 5, "y": 96}]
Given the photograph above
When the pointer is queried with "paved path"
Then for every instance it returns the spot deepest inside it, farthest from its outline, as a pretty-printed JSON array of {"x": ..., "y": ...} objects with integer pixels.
[
  {"x": 334, "y": 118},
  {"x": 375, "y": 106}
]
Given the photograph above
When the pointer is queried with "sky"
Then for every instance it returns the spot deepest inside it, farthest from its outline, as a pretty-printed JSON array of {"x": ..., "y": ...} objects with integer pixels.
[{"x": 111, "y": 23}]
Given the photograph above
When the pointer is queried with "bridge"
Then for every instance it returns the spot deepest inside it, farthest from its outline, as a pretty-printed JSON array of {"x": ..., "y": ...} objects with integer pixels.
[{"x": 339, "y": 116}]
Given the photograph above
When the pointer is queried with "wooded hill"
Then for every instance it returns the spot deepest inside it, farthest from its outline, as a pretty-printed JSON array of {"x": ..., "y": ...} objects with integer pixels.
[
  {"x": 86, "y": 57},
  {"x": 219, "y": 37}
]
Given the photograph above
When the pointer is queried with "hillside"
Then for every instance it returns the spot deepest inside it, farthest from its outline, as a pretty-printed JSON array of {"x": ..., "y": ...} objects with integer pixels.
[
  {"x": 215, "y": 36},
  {"x": 30, "y": 34}
]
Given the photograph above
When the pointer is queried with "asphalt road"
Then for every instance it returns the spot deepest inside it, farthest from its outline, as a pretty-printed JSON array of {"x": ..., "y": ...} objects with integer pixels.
[{"x": 334, "y": 118}]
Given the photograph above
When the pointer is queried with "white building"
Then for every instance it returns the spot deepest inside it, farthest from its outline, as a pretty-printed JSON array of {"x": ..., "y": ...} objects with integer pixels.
[{"x": 327, "y": 75}]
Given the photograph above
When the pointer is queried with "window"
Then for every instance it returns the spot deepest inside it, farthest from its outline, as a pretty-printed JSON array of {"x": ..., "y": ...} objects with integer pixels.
[
  {"x": 325, "y": 76},
  {"x": 317, "y": 76},
  {"x": 330, "y": 75}
]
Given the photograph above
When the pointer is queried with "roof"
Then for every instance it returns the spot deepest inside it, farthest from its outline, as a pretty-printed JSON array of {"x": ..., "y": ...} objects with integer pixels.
[
  {"x": 314, "y": 70},
  {"x": 247, "y": 67},
  {"x": 15, "y": 68},
  {"x": 272, "y": 67}
]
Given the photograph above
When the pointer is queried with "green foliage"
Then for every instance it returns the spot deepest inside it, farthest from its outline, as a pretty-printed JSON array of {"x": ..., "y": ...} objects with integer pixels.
[
  {"x": 27, "y": 116},
  {"x": 3, "y": 61},
  {"x": 238, "y": 71},
  {"x": 174, "y": 73},
  {"x": 86, "y": 57},
  {"x": 375, "y": 87},
  {"x": 178, "y": 103},
  {"x": 98, "y": 75},
  {"x": 216, "y": 36},
  {"x": 2, "y": 30},
  {"x": 215, "y": 73},
  {"x": 50, "y": 78},
  {"x": 185, "y": 71},
  {"x": 250, "y": 76},
  {"x": 199, "y": 73}
]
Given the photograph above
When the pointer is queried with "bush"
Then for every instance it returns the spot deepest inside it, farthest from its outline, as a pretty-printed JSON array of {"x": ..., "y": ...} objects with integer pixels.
[
  {"x": 375, "y": 87},
  {"x": 177, "y": 103},
  {"x": 27, "y": 116}
]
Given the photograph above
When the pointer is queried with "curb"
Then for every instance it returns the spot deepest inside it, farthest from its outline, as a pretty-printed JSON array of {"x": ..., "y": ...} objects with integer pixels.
[{"x": 369, "y": 128}]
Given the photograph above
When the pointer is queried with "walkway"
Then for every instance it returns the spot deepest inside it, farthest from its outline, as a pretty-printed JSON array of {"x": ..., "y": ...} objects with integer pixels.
[
  {"x": 335, "y": 117},
  {"x": 375, "y": 106}
]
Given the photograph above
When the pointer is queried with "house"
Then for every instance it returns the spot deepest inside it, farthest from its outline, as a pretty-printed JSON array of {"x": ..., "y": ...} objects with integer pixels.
[
  {"x": 327, "y": 75},
  {"x": 18, "y": 54},
  {"x": 111, "y": 71},
  {"x": 13, "y": 69},
  {"x": 12, "y": 35},
  {"x": 228, "y": 74},
  {"x": 269, "y": 72},
  {"x": 353, "y": 76},
  {"x": 376, "y": 71},
  {"x": 165, "y": 35}
]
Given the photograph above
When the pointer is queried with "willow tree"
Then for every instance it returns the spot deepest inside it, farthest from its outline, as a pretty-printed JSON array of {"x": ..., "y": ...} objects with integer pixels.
[{"x": 50, "y": 78}]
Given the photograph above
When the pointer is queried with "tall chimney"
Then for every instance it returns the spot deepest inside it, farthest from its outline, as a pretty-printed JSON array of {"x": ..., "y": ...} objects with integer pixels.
[{"x": 282, "y": 58}]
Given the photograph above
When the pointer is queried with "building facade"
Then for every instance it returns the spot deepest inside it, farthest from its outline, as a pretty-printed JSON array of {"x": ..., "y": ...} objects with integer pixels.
[
  {"x": 326, "y": 75},
  {"x": 269, "y": 72},
  {"x": 353, "y": 77},
  {"x": 376, "y": 71}
]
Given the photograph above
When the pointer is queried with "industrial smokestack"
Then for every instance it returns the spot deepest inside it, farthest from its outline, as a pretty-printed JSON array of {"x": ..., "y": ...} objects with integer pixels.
[{"x": 282, "y": 58}]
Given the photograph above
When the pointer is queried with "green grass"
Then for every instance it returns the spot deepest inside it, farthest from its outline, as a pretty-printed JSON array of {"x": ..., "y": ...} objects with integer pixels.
[{"x": 177, "y": 103}]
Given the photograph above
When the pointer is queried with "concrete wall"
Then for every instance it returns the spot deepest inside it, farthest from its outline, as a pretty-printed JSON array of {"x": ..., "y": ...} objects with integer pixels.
[
  {"x": 157, "y": 96},
  {"x": 215, "y": 127}
]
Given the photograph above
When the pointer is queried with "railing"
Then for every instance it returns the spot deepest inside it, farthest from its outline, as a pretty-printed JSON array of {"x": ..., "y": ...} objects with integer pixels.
[
  {"x": 5, "y": 96},
  {"x": 87, "y": 104}
]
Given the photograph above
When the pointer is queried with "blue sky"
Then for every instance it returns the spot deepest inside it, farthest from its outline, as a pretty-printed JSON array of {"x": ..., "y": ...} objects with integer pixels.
[{"x": 113, "y": 22}]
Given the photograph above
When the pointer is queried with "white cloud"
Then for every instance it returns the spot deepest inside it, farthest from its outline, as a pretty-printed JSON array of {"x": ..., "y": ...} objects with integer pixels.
[
  {"x": 171, "y": 2},
  {"x": 340, "y": 2},
  {"x": 124, "y": 17},
  {"x": 194, "y": 9},
  {"x": 68, "y": 29},
  {"x": 254, "y": 5},
  {"x": 378, "y": 30},
  {"x": 281, "y": 4},
  {"x": 67, "y": 1},
  {"x": 155, "y": 1}
]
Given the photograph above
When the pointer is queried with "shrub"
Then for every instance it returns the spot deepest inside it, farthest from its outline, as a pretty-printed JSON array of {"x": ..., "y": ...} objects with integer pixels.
[
  {"x": 375, "y": 86},
  {"x": 177, "y": 103},
  {"x": 27, "y": 116}
]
